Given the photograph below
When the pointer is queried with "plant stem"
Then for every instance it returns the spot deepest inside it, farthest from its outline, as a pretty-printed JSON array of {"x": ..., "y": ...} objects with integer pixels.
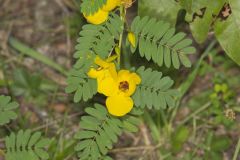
[
  {"x": 122, "y": 17},
  {"x": 236, "y": 150},
  {"x": 189, "y": 81},
  {"x": 195, "y": 113},
  {"x": 128, "y": 149}
]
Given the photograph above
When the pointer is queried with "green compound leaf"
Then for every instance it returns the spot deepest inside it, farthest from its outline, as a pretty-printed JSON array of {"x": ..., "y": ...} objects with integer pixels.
[
  {"x": 99, "y": 131},
  {"x": 84, "y": 87},
  {"x": 157, "y": 41},
  {"x": 94, "y": 40},
  {"x": 97, "y": 40},
  {"x": 6, "y": 109},
  {"x": 154, "y": 90},
  {"x": 92, "y": 6},
  {"x": 25, "y": 145}
]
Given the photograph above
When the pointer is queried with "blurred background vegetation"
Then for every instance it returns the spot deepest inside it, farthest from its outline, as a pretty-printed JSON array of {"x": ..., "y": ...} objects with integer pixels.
[{"x": 37, "y": 40}]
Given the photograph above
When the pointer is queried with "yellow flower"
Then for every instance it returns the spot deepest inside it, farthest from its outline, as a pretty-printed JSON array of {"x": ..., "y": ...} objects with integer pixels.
[
  {"x": 111, "y": 4},
  {"x": 97, "y": 18},
  {"x": 132, "y": 39},
  {"x": 106, "y": 76},
  {"x": 127, "y": 82},
  {"x": 118, "y": 87},
  {"x": 119, "y": 103}
]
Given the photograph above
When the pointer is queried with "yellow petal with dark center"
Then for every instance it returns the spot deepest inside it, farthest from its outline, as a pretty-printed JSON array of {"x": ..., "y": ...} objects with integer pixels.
[
  {"x": 131, "y": 88},
  {"x": 124, "y": 76},
  {"x": 119, "y": 105}
]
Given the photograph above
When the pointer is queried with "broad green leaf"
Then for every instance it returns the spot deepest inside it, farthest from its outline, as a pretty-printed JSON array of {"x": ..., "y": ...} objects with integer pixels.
[
  {"x": 186, "y": 4},
  {"x": 204, "y": 11},
  {"x": 166, "y": 10},
  {"x": 228, "y": 32}
]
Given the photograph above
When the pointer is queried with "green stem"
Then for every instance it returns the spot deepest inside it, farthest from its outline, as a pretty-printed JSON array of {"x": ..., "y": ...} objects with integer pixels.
[
  {"x": 122, "y": 17},
  {"x": 167, "y": 126},
  {"x": 24, "y": 49},
  {"x": 189, "y": 81},
  {"x": 237, "y": 150},
  {"x": 195, "y": 113}
]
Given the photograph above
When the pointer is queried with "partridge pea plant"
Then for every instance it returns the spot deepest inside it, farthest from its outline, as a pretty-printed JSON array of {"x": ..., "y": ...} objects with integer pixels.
[{"x": 127, "y": 91}]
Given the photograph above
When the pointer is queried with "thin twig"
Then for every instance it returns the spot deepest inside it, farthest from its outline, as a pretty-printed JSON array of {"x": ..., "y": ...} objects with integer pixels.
[
  {"x": 195, "y": 113},
  {"x": 128, "y": 149},
  {"x": 236, "y": 150},
  {"x": 189, "y": 81}
]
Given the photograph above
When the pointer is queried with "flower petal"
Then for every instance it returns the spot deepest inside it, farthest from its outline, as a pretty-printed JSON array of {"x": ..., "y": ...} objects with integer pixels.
[
  {"x": 123, "y": 74},
  {"x": 101, "y": 62},
  {"x": 93, "y": 73},
  {"x": 131, "y": 78},
  {"x": 107, "y": 86},
  {"x": 132, "y": 39},
  {"x": 132, "y": 88},
  {"x": 119, "y": 105},
  {"x": 112, "y": 70},
  {"x": 107, "y": 66},
  {"x": 97, "y": 18},
  {"x": 110, "y": 5},
  {"x": 135, "y": 78}
]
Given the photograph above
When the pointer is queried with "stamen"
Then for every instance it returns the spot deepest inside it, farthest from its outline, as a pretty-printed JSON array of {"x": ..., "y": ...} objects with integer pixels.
[{"x": 124, "y": 86}]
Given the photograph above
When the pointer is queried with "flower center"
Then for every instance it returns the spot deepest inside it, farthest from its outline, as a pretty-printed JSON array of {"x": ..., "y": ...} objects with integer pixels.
[{"x": 124, "y": 86}]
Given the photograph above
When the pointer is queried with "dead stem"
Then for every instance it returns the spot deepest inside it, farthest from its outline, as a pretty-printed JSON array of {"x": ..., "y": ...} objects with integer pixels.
[{"x": 128, "y": 149}]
